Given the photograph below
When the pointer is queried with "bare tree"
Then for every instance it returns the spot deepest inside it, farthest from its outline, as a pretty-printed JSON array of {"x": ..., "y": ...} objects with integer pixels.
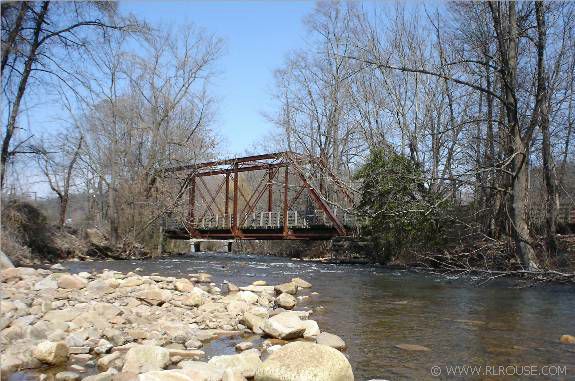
[
  {"x": 35, "y": 36},
  {"x": 57, "y": 160}
]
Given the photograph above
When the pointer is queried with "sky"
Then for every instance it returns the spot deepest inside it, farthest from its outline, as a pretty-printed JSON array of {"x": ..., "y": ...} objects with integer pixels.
[{"x": 258, "y": 36}]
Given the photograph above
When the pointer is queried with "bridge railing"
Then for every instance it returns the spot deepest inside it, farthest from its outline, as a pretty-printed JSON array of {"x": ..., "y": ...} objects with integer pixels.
[{"x": 266, "y": 220}]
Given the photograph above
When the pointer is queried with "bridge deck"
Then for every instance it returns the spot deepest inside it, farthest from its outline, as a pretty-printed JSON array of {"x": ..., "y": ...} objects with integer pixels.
[{"x": 262, "y": 225}]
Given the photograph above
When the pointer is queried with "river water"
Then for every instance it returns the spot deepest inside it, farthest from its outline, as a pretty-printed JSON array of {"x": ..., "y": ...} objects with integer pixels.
[{"x": 375, "y": 309}]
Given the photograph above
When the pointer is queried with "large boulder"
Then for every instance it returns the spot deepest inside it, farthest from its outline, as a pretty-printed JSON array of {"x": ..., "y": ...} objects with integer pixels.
[
  {"x": 302, "y": 361},
  {"x": 185, "y": 374},
  {"x": 50, "y": 352},
  {"x": 208, "y": 372},
  {"x": 285, "y": 325},
  {"x": 146, "y": 358},
  {"x": 5, "y": 262},
  {"x": 288, "y": 288},
  {"x": 286, "y": 301},
  {"x": 245, "y": 363},
  {"x": 247, "y": 296},
  {"x": 331, "y": 340},
  {"x": 253, "y": 322},
  {"x": 301, "y": 283},
  {"x": 311, "y": 328},
  {"x": 195, "y": 297}
]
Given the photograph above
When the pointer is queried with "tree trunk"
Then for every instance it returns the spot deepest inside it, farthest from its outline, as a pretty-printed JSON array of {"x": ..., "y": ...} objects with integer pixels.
[
  {"x": 62, "y": 213},
  {"x": 11, "y": 125},
  {"x": 507, "y": 41},
  {"x": 8, "y": 46},
  {"x": 549, "y": 175}
]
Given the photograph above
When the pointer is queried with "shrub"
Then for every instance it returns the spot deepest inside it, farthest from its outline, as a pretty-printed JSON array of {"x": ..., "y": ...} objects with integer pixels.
[{"x": 402, "y": 212}]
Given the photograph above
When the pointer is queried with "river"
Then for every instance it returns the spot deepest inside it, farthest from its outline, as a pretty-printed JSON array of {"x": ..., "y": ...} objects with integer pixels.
[{"x": 375, "y": 309}]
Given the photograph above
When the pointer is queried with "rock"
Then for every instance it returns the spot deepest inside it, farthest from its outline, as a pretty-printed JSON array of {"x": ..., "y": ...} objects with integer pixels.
[
  {"x": 288, "y": 288},
  {"x": 184, "y": 374},
  {"x": 57, "y": 266},
  {"x": 46, "y": 284},
  {"x": 196, "y": 297},
  {"x": 232, "y": 287},
  {"x": 77, "y": 368},
  {"x": 105, "y": 376},
  {"x": 65, "y": 315},
  {"x": 248, "y": 297},
  {"x": 258, "y": 289},
  {"x": 273, "y": 348},
  {"x": 412, "y": 347},
  {"x": 253, "y": 322},
  {"x": 9, "y": 274},
  {"x": 53, "y": 353},
  {"x": 330, "y": 340},
  {"x": 186, "y": 354},
  {"x": 300, "y": 361},
  {"x": 567, "y": 339},
  {"x": 79, "y": 350},
  {"x": 14, "y": 361},
  {"x": 232, "y": 375},
  {"x": 71, "y": 282},
  {"x": 286, "y": 325},
  {"x": 204, "y": 278},
  {"x": 125, "y": 376},
  {"x": 238, "y": 307},
  {"x": 245, "y": 363},
  {"x": 5, "y": 262},
  {"x": 260, "y": 283},
  {"x": 109, "y": 361},
  {"x": 270, "y": 342},
  {"x": 301, "y": 283},
  {"x": 134, "y": 281},
  {"x": 154, "y": 296},
  {"x": 104, "y": 346},
  {"x": 138, "y": 334},
  {"x": 146, "y": 358},
  {"x": 311, "y": 328},
  {"x": 286, "y": 301},
  {"x": 67, "y": 376},
  {"x": 184, "y": 285},
  {"x": 204, "y": 370},
  {"x": 193, "y": 344},
  {"x": 244, "y": 346}
]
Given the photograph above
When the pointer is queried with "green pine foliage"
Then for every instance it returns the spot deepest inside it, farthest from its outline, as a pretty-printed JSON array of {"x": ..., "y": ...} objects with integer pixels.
[{"x": 402, "y": 213}]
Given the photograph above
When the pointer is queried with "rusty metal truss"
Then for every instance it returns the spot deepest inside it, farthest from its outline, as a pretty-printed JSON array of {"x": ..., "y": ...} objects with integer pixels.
[{"x": 280, "y": 195}]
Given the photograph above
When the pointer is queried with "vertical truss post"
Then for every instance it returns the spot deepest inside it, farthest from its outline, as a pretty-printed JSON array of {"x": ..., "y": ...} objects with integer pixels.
[
  {"x": 270, "y": 188},
  {"x": 192, "y": 202},
  {"x": 285, "y": 208},
  {"x": 227, "y": 202},
  {"x": 235, "y": 203}
]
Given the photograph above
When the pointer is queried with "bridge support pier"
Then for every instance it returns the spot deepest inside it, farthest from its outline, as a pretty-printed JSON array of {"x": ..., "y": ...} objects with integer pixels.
[{"x": 195, "y": 246}]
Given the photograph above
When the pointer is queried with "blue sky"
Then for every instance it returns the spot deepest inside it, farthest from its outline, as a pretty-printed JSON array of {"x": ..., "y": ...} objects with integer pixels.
[{"x": 258, "y": 35}]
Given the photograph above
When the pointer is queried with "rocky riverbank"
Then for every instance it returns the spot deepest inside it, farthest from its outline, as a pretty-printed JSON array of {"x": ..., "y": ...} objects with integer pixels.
[{"x": 114, "y": 326}]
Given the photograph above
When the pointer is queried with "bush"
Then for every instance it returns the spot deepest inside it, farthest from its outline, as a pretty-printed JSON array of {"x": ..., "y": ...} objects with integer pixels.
[{"x": 402, "y": 212}]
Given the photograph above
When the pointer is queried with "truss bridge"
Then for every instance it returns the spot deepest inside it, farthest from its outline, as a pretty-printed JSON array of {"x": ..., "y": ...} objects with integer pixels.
[{"x": 274, "y": 196}]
